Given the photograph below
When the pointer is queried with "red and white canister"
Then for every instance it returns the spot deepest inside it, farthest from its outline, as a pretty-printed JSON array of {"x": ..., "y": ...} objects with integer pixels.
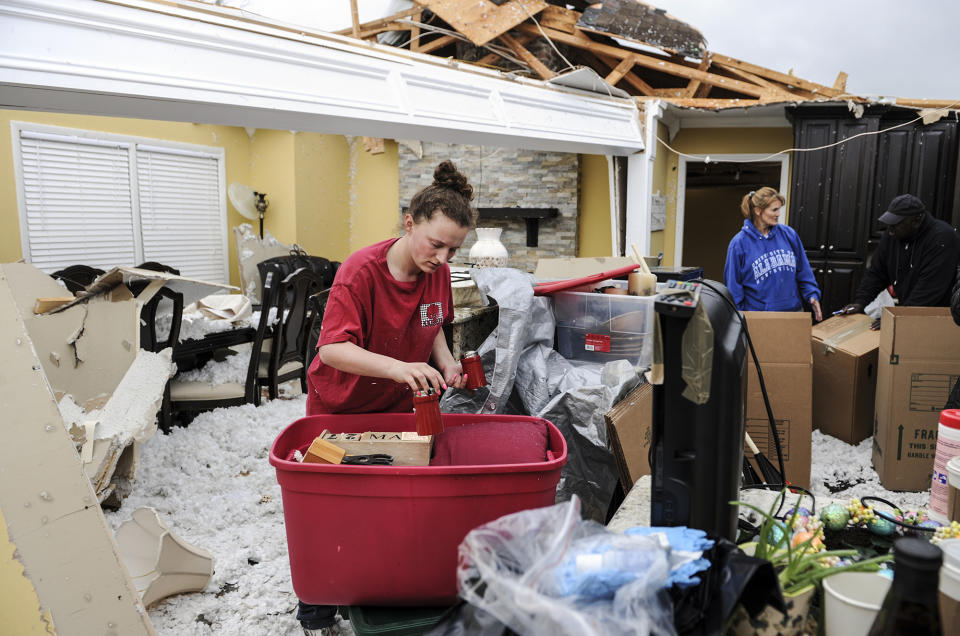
[{"x": 948, "y": 447}]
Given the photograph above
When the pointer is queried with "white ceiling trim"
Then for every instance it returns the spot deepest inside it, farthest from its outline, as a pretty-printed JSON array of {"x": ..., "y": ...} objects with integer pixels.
[{"x": 137, "y": 58}]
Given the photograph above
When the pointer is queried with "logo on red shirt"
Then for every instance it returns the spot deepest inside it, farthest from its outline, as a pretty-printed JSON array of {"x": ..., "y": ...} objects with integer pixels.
[{"x": 431, "y": 314}]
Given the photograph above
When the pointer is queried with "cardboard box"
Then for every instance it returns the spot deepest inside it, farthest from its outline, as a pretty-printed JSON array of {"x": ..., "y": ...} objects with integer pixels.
[
  {"x": 781, "y": 340},
  {"x": 629, "y": 428},
  {"x": 845, "y": 376},
  {"x": 919, "y": 362}
]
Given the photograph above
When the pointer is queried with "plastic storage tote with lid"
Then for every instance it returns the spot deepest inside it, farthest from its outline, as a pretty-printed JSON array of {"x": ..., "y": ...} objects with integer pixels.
[{"x": 388, "y": 535}]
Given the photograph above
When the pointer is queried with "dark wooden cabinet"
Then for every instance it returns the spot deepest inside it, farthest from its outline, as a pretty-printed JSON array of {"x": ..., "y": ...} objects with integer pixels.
[{"x": 838, "y": 192}]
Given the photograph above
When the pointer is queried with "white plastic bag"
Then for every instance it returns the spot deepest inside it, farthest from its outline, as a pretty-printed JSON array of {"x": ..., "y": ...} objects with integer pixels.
[{"x": 546, "y": 571}]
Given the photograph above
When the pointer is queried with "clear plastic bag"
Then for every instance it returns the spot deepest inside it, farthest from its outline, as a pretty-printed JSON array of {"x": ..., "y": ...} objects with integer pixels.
[{"x": 546, "y": 571}]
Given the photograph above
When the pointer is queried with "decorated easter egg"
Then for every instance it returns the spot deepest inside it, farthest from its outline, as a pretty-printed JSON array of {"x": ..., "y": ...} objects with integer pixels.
[
  {"x": 930, "y": 523},
  {"x": 774, "y": 536},
  {"x": 801, "y": 512},
  {"x": 881, "y": 526},
  {"x": 834, "y": 517}
]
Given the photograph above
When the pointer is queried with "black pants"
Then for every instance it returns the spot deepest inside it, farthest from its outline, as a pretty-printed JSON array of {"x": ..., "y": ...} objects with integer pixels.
[{"x": 316, "y": 616}]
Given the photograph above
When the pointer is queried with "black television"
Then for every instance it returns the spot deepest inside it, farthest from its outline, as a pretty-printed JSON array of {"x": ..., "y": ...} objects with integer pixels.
[{"x": 696, "y": 454}]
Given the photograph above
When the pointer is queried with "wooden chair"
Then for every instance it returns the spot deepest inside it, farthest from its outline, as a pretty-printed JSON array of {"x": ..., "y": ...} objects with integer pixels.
[
  {"x": 288, "y": 353},
  {"x": 318, "y": 304},
  {"x": 149, "y": 340},
  {"x": 201, "y": 396},
  {"x": 77, "y": 277}
]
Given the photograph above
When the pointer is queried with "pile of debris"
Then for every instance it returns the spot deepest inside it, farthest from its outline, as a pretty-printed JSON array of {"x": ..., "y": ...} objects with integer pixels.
[{"x": 637, "y": 49}]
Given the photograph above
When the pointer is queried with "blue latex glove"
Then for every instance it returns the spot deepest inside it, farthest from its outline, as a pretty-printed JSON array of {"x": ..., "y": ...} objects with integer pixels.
[{"x": 687, "y": 546}]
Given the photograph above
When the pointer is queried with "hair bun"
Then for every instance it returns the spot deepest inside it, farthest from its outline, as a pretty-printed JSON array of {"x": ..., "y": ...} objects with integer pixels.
[{"x": 446, "y": 175}]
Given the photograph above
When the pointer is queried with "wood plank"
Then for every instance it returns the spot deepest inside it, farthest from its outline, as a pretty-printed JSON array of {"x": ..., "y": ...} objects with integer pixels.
[
  {"x": 415, "y": 32},
  {"x": 481, "y": 20},
  {"x": 46, "y": 303},
  {"x": 520, "y": 51},
  {"x": 953, "y": 104},
  {"x": 355, "y": 18},
  {"x": 697, "y": 102},
  {"x": 774, "y": 91},
  {"x": 375, "y": 24},
  {"x": 703, "y": 91},
  {"x": 630, "y": 78},
  {"x": 559, "y": 18},
  {"x": 438, "y": 43},
  {"x": 492, "y": 57},
  {"x": 653, "y": 63},
  {"x": 776, "y": 76},
  {"x": 694, "y": 84},
  {"x": 841, "y": 82},
  {"x": 620, "y": 70}
]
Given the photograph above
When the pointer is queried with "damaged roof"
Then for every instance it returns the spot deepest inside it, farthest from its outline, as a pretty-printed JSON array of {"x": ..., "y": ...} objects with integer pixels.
[{"x": 633, "y": 46}]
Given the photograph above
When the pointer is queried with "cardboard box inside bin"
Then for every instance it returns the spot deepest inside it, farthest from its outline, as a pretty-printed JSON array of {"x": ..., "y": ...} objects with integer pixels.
[
  {"x": 629, "y": 429},
  {"x": 781, "y": 340},
  {"x": 844, "y": 376},
  {"x": 918, "y": 364}
]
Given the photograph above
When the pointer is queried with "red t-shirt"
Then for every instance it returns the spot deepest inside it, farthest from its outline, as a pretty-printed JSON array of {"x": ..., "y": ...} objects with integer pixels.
[{"x": 370, "y": 308}]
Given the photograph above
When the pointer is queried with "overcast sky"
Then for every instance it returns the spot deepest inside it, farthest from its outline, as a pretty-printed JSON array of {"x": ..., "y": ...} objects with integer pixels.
[{"x": 902, "y": 48}]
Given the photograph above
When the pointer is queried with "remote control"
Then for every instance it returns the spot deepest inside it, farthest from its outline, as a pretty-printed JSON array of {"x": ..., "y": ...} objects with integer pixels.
[{"x": 680, "y": 299}]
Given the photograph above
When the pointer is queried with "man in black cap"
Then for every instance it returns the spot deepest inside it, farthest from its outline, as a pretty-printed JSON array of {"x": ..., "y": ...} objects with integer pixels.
[{"x": 917, "y": 256}]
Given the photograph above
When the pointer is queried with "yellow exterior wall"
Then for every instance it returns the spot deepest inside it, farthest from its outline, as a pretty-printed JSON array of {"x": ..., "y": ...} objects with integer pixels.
[
  {"x": 374, "y": 194},
  {"x": 715, "y": 141},
  {"x": 593, "y": 220},
  {"x": 234, "y": 141},
  {"x": 19, "y": 605}
]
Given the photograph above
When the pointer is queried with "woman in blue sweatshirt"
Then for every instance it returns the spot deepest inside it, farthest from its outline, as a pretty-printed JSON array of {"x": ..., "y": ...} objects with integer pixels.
[{"x": 767, "y": 268}]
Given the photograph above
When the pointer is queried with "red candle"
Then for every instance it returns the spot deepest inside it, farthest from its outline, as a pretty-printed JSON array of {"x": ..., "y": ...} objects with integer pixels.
[
  {"x": 473, "y": 368},
  {"x": 426, "y": 404}
]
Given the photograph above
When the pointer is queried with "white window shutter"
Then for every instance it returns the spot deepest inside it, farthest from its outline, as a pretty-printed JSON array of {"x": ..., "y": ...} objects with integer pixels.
[
  {"x": 182, "y": 211},
  {"x": 76, "y": 203}
]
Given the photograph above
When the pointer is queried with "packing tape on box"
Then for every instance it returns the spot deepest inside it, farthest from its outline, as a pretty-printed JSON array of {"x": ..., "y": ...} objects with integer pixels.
[{"x": 830, "y": 344}]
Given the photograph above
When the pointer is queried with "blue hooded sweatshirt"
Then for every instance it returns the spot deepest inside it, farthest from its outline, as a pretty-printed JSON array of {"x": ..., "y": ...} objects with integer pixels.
[{"x": 764, "y": 273}]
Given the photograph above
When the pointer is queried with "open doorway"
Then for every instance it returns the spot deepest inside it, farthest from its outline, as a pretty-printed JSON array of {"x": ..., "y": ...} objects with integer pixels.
[{"x": 708, "y": 209}]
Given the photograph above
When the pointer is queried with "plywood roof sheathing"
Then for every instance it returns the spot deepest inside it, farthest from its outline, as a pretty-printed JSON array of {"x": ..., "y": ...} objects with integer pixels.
[
  {"x": 482, "y": 20},
  {"x": 559, "y": 18}
]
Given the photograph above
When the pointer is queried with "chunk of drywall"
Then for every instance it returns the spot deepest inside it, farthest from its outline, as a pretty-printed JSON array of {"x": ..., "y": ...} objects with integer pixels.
[
  {"x": 86, "y": 349},
  {"x": 251, "y": 249},
  {"x": 27, "y": 283},
  {"x": 20, "y": 611},
  {"x": 50, "y": 510}
]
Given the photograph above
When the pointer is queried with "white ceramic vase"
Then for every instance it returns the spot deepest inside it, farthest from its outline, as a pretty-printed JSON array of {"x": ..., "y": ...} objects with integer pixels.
[{"x": 488, "y": 251}]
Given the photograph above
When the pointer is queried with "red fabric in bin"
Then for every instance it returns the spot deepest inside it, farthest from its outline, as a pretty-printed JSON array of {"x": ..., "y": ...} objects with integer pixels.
[{"x": 485, "y": 443}]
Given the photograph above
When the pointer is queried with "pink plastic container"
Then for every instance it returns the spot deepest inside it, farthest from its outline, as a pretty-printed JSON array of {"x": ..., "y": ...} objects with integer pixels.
[{"x": 388, "y": 535}]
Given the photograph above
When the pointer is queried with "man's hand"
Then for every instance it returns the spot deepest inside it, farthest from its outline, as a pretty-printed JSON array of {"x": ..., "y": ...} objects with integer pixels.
[
  {"x": 852, "y": 308},
  {"x": 875, "y": 325}
]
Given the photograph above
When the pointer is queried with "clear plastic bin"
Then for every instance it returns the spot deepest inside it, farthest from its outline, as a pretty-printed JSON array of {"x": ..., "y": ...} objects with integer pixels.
[{"x": 597, "y": 327}]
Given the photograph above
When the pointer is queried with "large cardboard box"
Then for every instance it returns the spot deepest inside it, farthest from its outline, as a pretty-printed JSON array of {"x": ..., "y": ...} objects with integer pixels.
[
  {"x": 919, "y": 363},
  {"x": 629, "y": 428},
  {"x": 845, "y": 376},
  {"x": 781, "y": 340}
]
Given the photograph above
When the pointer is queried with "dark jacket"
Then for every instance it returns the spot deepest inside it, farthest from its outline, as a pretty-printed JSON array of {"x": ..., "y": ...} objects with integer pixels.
[{"x": 921, "y": 270}]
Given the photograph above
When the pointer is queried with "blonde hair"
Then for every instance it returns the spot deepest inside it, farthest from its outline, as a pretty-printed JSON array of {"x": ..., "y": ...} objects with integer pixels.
[{"x": 759, "y": 200}]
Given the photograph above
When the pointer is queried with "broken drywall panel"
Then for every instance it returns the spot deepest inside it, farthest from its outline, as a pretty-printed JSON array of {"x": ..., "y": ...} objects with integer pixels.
[
  {"x": 50, "y": 512},
  {"x": 483, "y": 20},
  {"x": 86, "y": 350},
  {"x": 27, "y": 283},
  {"x": 192, "y": 289},
  {"x": 20, "y": 611},
  {"x": 633, "y": 20},
  {"x": 251, "y": 249}
]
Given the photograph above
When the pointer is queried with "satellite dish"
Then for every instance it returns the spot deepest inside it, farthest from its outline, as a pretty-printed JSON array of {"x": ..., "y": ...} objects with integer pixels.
[
  {"x": 244, "y": 200},
  {"x": 248, "y": 203}
]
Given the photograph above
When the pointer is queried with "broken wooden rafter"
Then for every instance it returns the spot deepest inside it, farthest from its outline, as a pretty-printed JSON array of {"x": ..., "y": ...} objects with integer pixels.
[
  {"x": 438, "y": 43},
  {"x": 415, "y": 31},
  {"x": 773, "y": 91},
  {"x": 653, "y": 63},
  {"x": 481, "y": 20},
  {"x": 559, "y": 18},
  {"x": 776, "y": 76},
  {"x": 694, "y": 84},
  {"x": 492, "y": 57},
  {"x": 355, "y": 18},
  {"x": 529, "y": 58},
  {"x": 629, "y": 77},
  {"x": 840, "y": 83},
  {"x": 624, "y": 67}
]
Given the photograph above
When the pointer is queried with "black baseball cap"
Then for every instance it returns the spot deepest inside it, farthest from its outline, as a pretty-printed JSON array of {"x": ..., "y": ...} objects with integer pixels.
[{"x": 901, "y": 207}]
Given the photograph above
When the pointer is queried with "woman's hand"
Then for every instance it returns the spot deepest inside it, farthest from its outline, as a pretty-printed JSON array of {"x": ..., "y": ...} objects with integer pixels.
[
  {"x": 453, "y": 375},
  {"x": 817, "y": 313},
  {"x": 418, "y": 375}
]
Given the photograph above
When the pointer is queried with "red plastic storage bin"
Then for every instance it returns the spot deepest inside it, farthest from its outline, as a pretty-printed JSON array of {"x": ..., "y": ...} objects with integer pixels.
[{"x": 388, "y": 535}]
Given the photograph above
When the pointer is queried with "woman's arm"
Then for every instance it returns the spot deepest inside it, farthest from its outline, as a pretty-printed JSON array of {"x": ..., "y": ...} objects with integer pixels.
[
  {"x": 349, "y": 358},
  {"x": 452, "y": 371}
]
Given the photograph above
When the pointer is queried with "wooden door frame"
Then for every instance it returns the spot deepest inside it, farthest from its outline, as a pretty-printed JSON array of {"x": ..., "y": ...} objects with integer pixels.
[{"x": 679, "y": 219}]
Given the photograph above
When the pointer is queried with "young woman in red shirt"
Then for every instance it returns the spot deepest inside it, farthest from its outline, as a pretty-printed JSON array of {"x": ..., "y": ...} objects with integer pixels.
[{"x": 385, "y": 312}]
